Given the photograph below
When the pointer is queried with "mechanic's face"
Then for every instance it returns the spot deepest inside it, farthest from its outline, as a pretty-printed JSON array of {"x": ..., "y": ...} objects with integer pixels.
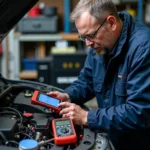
[{"x": 100, "y": 37}]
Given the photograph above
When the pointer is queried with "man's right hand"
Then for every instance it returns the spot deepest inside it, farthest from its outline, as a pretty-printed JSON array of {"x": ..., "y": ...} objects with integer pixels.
[{"x": 64, "y": 97}]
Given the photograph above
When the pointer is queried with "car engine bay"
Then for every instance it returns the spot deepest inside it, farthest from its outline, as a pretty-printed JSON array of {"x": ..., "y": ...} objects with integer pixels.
[{"x": 20, "y": 120}]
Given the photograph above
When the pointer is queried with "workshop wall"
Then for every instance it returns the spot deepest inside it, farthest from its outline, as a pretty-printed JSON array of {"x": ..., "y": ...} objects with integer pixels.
[{"x": 28, "y": 47}]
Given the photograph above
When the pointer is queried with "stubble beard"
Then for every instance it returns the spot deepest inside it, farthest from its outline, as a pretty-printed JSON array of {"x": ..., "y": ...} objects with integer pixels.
[{"x": 100, "y": 52}]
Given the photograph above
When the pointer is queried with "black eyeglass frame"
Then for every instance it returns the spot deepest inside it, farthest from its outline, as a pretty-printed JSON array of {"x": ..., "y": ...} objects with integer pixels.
[{"x": 93, "y": 35}]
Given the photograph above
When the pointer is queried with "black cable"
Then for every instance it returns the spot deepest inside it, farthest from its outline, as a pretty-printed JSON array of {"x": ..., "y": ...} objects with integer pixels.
[
  {"x": 9, "y": 108},
  {"x": 12, "y": 142},
  {"x": 111, "y": 145},
  {"x": 51, "y": 144},
  {"x": 6, "y": 91},
  {"x": 7, "y": 113},
  {"x": 1, "y": 142},
  {"x": 24, "y": 134},
  {"x": 3, "y": 136}
]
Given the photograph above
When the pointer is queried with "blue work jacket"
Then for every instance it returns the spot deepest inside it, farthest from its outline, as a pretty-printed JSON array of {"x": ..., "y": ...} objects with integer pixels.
[{"x": 121, "y": 87}]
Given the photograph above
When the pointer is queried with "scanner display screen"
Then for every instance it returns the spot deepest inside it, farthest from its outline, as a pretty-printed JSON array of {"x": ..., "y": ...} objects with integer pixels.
[{"x": 48, "y": 100}]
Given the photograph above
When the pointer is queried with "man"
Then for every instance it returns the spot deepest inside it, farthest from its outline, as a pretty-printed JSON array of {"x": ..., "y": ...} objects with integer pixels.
[{"x": 116, "y": 72}]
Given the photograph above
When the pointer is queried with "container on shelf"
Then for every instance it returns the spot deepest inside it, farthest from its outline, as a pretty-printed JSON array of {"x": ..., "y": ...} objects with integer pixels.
[
  {"x": 29, "y": 64},
  {"x": 34, "y": 12}
]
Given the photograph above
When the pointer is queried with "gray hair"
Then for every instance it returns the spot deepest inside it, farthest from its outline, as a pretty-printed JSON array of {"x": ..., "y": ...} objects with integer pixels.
[{"x": 96, "y": 8}]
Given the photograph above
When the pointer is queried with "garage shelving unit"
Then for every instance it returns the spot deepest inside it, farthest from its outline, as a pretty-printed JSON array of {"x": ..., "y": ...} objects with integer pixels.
[{"x": 13, "y": 65}]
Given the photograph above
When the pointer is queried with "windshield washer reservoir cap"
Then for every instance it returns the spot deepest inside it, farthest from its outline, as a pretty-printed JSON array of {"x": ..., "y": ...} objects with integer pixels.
[{"x": 28, "y": 144}]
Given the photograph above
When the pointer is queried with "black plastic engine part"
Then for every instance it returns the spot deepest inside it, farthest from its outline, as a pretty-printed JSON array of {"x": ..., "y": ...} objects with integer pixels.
[
  {"x": 8, "y": 127},
  {"x": 22, "y": 102},
  {"x": 7, "y": 148},
  {"x": 41, "y": 123}
]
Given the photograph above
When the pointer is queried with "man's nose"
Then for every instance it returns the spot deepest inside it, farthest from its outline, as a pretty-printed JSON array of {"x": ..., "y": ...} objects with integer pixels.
[{"x": 88, "y": 42}]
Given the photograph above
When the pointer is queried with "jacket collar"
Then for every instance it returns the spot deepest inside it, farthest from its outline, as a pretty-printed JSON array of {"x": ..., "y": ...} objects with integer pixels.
[{"x": 122, "y": 40}]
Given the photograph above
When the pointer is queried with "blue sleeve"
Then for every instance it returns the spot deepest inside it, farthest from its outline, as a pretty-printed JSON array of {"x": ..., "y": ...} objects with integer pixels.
[
  {"x": 135, "y": 113},
  {"x": 81, "y": 90}
]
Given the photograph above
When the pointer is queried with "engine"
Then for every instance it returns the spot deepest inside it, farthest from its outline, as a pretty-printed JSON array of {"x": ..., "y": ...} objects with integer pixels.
[{"x": 20, "y": 120}]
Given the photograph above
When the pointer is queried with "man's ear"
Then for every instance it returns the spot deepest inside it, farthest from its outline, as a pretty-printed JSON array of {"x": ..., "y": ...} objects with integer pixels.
[{"x": 112, "y": 22}]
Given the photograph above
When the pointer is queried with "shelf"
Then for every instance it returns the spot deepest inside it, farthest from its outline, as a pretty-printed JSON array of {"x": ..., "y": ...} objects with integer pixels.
[
  {"x": 70, "y": 37},
  {"x": 37, "y": 37},
  {"x": 28, "y": 75},
  {"x": 18, "y": 38},
  {"x": 46, "y": 37}
]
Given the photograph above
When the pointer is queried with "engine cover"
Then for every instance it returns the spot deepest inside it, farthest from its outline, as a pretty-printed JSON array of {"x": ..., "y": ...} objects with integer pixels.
[{"x": 8, "y": 127}]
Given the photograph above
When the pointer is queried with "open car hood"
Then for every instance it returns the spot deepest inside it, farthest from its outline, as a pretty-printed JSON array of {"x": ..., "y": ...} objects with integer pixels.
[{"x": 11, "y": 11}]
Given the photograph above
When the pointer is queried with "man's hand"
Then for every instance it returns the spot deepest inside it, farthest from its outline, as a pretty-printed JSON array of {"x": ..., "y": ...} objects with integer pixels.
[
  {"x": 64, "y": 97},
  {"x": 74, "y": 112}
]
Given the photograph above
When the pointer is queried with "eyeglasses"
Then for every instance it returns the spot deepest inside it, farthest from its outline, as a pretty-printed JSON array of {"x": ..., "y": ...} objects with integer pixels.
[{"x": 91, "y": 36}]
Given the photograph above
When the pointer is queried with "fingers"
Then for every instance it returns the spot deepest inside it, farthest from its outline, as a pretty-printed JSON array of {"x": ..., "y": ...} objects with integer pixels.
[
  {"x": 64, "y": 111},
  {"x": 65, "y": 104},
  {"x": 68, "y": 114},
  {"x": 74, "y": 112},
  {"x": 56, "y": 94},
  {"x": 53, "y": 93},
  {"x": 68, "y": 109},
  {"x": 59, "y": 95}
]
